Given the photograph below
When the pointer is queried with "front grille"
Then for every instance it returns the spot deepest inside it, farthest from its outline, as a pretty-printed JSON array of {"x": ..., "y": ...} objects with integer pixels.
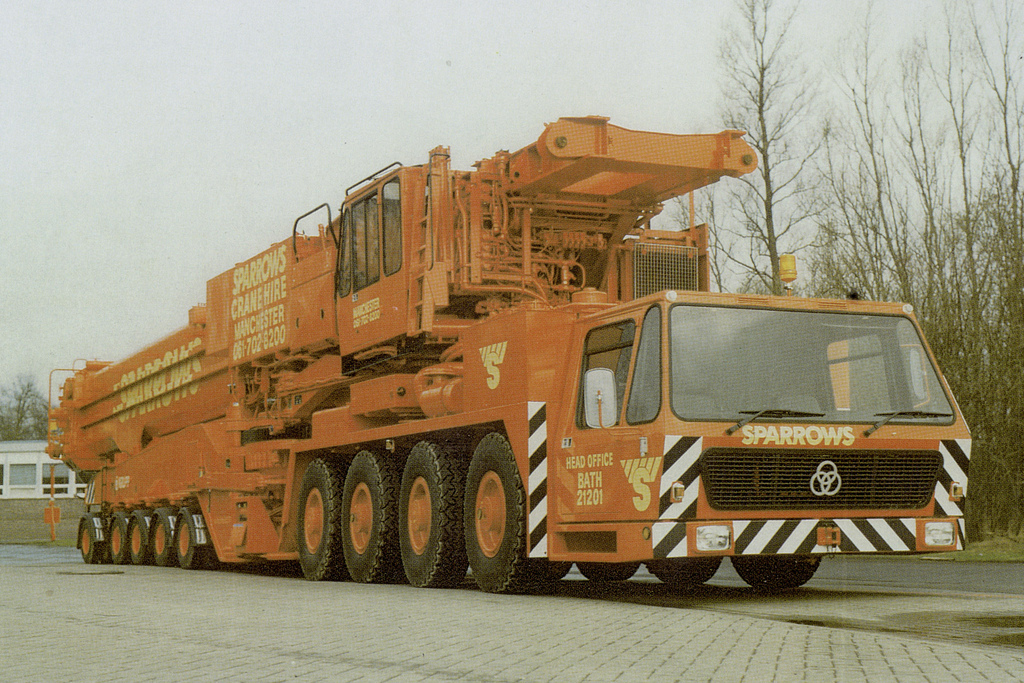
[
  {"x": 657, "y": 267},
  {"x": 761, "y": 479}
]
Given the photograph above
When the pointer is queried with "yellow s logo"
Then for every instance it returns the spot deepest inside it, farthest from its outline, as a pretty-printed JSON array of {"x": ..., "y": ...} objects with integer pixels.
[
  {"x": 492, "y": 356},
  {"x": 641, "y": 473}
]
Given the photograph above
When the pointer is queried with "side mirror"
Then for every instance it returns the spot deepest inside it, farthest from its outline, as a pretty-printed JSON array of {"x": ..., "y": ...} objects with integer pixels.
[{"x": 599, "y": 398}]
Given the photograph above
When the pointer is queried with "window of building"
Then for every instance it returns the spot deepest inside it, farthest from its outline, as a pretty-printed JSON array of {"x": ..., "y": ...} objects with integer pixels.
[
  {"x": 24, "y": 475},
  {"x": 61, "y": 477}
]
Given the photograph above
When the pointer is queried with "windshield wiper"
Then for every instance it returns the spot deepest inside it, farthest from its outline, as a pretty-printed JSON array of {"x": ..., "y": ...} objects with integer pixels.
[
  {"x": 751, "y": 415},
  {"x": 901, "y": 413}
]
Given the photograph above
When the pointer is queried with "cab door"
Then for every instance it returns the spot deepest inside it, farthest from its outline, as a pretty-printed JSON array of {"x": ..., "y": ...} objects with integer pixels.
[
  {"x": 609, "y": 468},
  {"x": 372, "y": 292}
]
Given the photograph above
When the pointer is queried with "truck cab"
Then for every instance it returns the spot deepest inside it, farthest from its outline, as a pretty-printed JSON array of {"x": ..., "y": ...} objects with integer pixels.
[{"x": 706, "y": 425}]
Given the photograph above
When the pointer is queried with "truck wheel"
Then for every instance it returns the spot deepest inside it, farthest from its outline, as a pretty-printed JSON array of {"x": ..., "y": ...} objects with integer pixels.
[
  {"x": 94, "y": 551},
  {"x": 369, "y": 513},
  {"x": 430, "y": 507},
  {"x": 603, "y": 572},
  {"x": 774, "y": 573},
  {"x": 162, "y": 537},
  {"x": 320, "y": 530},
  {"x": 684, "y": 573},
  {"x": 553, "y": 571},
  {"x": 139, "y": 546},
  {"x": 190, "y": 542},
  {"x": 495, "y": 518},
  {"x": 120, "y": 548}
]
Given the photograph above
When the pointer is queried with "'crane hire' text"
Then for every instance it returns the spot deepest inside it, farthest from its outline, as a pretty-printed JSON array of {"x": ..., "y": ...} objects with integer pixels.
[{"x": 257, "y": 309}]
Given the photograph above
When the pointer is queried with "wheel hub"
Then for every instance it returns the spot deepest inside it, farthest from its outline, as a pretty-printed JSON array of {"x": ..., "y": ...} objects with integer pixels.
[
  {"x": 361, "y": 517},
  {"x": 184, "y": 538},
  {"x": 490, "y": 514},
  {"x": 313, "y": 521},
  {"x": 419, "y": 515}
]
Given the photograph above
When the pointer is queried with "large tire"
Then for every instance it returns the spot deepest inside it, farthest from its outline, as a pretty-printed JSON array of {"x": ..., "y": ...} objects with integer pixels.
[
  {"x": 320, "y": 529},
  {"x": 430, "y": 509},
  {"x": 369, "y": 512},
  {"x": 162, "y": 537},
  {"x": 495, "y": 519},
  {"x": 684, "y": 573},
  {"x": 191, "y": 542},
  {"x": 92, "y": 540},
  {"x": 553, "y": 571},
  {"x": 139, "y": 545},
  {"x": 604, "y": 572},
  {"x": 775, "y": 573},
  {"x": 120, "y": 547}
]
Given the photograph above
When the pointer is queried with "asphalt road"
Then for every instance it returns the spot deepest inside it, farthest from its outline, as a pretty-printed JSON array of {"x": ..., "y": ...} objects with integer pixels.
[{"x": 906, "y": 574}]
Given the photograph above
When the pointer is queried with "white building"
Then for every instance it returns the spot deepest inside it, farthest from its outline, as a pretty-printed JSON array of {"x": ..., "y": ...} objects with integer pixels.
[{"x": 25, "y": 472}]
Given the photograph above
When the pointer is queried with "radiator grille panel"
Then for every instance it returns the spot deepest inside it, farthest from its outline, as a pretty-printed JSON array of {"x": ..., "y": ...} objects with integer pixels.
[
  {"x": 657, "y": 267},
  {"x": 749, "y": 479}
]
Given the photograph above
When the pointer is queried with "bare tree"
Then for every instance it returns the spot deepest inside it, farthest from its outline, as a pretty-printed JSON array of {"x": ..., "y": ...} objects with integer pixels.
[
  {"x": 922, "y": 187},
  {"x": 865, "y": 240},
  {"x": 999, "y": 48},
  {"x": 767, "y": 94},
  {"x": 23, "y": 411}
]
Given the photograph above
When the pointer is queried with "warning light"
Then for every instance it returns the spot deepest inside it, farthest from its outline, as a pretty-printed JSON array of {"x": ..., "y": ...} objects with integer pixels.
[{"x": 787, "y": 268}]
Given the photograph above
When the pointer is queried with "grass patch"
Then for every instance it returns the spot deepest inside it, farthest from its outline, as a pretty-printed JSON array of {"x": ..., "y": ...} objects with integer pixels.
[
  {"x": 59, "y": 543},
  {"x": 989, "y": 550}
]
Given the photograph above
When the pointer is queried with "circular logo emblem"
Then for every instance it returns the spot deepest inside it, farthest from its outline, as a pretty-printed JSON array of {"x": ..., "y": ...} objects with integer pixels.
[{"x": 826, "y": 480}]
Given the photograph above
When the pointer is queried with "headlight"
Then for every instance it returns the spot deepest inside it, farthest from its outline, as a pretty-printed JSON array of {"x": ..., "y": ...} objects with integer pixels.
[
  {"x": 939, "y": 533},
  {"x": 713, "y": 537}
]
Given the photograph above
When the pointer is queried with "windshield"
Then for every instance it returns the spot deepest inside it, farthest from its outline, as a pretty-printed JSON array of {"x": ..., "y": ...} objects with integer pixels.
[{"x": 800, "y": 366}]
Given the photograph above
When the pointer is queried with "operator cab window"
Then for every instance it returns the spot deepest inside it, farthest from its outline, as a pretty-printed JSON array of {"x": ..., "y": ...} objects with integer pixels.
[
  {"x": 366, "y": 225},
  {"x": 365, "y": 243},
  {"x": 343, "y": 275},
  {"x": 391, "y": 204},
  {"x": 645, "y": 392},
  {"x": 608, "y": 347}
]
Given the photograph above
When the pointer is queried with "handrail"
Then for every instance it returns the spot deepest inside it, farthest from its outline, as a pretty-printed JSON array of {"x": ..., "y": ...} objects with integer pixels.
[
  {"x": 49, "y": 401},
  {"x": 295, "y": 228},
  {"x": 372, "y": 176}
]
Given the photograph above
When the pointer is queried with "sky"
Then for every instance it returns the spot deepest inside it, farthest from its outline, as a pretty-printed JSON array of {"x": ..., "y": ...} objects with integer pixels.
[{"x": 147, "y": 147}]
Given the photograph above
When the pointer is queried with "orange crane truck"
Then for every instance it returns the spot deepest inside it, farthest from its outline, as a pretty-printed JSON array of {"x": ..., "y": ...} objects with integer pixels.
[{"x": 508, "y": 370}]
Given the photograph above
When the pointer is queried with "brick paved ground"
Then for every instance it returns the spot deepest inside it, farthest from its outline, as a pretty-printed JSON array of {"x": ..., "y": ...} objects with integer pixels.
[{"x": 66, "y": 621}]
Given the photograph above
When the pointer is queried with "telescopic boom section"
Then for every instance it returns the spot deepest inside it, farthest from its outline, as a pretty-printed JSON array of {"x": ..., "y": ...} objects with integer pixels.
[
  {"x": 573, "y": 196},
  {"x": 590, "y": 157}
]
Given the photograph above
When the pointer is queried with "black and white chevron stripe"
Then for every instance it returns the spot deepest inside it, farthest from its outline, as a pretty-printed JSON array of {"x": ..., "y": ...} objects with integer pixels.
[
  {"x": 681, "y": 456},
  {"x": 538, "y": 483},
  {"x": 956, "y": 457},
  {"x": 799, "y": 536}
]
